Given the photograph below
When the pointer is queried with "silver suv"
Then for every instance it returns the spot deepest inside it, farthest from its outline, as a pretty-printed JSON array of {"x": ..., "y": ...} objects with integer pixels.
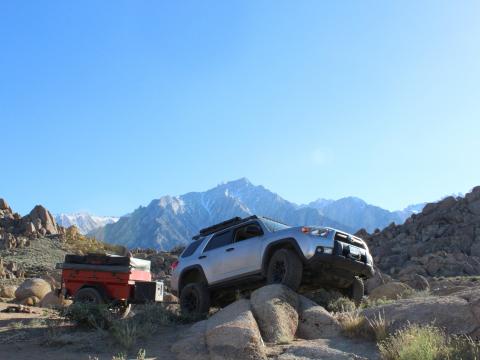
[{"x": 244, "y": 254}]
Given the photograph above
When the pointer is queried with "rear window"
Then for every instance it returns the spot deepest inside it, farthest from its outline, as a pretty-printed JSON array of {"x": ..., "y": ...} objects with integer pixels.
[{"x": 192, "y": 248}]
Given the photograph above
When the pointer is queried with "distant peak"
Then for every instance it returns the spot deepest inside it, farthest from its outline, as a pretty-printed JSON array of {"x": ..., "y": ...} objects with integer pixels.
[{"x": 239, "y": 182}]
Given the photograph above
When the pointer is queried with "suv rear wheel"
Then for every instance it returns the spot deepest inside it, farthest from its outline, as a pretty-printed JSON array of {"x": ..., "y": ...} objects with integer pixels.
[
  {"x": 195, "y": 299},
  {"x": 285, "y": 267},
  {"x": 357, "y": 290}
]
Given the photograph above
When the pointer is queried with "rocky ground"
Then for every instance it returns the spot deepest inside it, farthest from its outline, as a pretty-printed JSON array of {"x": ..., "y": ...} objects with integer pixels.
[{"x": 428, "y": 274}]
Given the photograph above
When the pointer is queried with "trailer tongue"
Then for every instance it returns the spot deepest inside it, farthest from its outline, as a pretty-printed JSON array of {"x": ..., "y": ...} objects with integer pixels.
[{"x": 109, "y": 279}]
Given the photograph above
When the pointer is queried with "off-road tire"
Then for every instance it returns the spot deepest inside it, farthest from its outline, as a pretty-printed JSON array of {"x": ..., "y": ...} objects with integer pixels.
[
  {"x": 89, "y": 296},
  {"x": 285, "y": 267},
  {"x": 195, "y": 299},
  {"x": 357, "y": 290}
]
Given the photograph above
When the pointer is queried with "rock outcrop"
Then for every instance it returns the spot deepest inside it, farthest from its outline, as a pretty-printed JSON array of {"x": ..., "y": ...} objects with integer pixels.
[
  {"x": 442, "y": 240},
  {"x": 17, "y": 231},
  {"x": 274, "y": 314},
  {"x": 275, "y": 308},
  {"x": 458, "y": 313},
  {"x": 315, "y": 322}
]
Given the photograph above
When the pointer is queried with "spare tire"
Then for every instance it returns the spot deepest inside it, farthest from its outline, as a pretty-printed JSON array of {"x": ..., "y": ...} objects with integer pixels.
[{"x": 195, "y": 299}]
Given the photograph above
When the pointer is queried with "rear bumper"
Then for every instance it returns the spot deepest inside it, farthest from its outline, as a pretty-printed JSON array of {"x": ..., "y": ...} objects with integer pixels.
[{"x": 342, "y": 260}]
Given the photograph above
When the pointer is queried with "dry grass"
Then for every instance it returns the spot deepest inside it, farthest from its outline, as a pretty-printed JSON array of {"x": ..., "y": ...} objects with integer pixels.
[
  {"x": 416, "y": 342},
  {"x": 352, "y": 323},
  {"x": 379, "y": 326}
]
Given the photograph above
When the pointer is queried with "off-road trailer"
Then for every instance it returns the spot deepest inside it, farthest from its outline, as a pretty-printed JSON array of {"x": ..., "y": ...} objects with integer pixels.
[{"x": 118, "y": 281}]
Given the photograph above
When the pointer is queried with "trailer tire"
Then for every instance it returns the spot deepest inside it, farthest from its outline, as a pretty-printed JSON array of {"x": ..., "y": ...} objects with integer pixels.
[
  {"x": 89, "y": 296},
  {"x": 195, "y": 299}
]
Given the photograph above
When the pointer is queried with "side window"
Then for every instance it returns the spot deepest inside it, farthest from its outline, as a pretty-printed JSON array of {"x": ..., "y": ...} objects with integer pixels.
[
  {"x": 247, "y": 232},
  {"x": 192, "y": 248},
  {"x": 219, "y": 240}
]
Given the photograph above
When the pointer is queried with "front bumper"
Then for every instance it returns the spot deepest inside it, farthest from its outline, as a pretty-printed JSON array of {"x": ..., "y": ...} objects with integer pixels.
[{"x": 342, "y": 259}]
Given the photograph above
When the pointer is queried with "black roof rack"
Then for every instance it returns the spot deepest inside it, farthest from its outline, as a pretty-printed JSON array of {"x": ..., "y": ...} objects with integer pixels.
[{"x": 223, "y": 225}]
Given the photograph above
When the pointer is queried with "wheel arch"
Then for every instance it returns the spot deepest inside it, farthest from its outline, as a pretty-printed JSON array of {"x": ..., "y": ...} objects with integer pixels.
[
  {"x": 287, "y": 243},
  {"x": 191, "y": 274}
]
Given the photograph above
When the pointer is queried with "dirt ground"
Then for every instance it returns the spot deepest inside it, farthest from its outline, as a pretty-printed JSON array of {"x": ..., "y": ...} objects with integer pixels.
[{"x": 29, "y": 337}]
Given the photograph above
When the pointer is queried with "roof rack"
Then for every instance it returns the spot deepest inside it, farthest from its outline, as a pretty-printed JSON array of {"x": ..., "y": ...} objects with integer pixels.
[{"x": 223, "y": 225}]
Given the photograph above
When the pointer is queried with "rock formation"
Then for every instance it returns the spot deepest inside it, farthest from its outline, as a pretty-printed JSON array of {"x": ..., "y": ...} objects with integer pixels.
[
  {"x": 442, "y": 240},
  {"x": 17, "y": 231}
]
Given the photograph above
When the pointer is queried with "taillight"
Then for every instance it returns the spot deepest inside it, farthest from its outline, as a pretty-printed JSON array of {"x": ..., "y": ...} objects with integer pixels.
[
  {"x": 174, "y": 265},
  {"x": 306, "y": 229}
]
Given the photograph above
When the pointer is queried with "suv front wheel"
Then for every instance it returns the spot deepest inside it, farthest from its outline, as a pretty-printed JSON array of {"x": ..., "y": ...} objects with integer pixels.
[
  {"x": 357, "y": 290},
  {"x": 285, "y": 267},
  {"x": 195, "y": 299}
]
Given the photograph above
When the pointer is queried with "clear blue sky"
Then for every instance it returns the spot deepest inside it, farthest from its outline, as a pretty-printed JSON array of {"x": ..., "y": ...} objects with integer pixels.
[{"x": 105, "y": 105}]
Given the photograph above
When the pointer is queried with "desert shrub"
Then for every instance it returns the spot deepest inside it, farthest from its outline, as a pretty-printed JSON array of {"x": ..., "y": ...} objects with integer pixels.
[
  {"x": 89, "y": 316},
  {"x": 415, "y": 342},
  {"x": 324, "y": 297},
  {"x": 353, "y": 324},
  {"x": 368, "y": 303},
  {"x": 378, "y": 327},
  {"x": 341, "y": 304},
  {"x": 127, "y": 332},
  {"x": 463, "y": 348}
]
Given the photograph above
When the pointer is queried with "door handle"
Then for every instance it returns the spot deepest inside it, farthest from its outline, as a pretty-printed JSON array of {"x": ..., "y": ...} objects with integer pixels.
[
  {"x": 202, "y": 257},
  {"x": 230, "y": 249}
]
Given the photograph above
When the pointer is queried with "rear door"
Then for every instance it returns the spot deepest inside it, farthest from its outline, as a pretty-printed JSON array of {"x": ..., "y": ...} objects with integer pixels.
[{"x": 212, "y": 257}]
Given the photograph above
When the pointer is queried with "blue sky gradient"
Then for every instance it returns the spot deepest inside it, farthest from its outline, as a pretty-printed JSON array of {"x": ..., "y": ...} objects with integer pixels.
[{"x": 107, "y": 105}]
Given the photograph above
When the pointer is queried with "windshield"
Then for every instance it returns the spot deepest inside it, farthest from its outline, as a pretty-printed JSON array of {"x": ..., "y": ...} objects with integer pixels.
[{"x": 273, "y": 226}]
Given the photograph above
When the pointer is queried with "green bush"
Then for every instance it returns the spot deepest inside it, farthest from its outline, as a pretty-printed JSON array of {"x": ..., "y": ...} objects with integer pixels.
[
  {"x": 324, "y": 297},
  {"x": 415, "y": 343},
  {"x": 89, "y": 316},
  {"x": 341, "y": 304}
]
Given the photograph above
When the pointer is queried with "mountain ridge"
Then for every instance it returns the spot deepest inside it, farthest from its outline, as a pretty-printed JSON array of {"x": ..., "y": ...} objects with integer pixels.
[{"x": 172, "y": 220}]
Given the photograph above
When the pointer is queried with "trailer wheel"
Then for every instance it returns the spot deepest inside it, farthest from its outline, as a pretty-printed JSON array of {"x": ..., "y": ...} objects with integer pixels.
[
  {"x": 195, "y": 299},
  {"x": 89, "y": 296},
  {"x": 357, "y": 290}
]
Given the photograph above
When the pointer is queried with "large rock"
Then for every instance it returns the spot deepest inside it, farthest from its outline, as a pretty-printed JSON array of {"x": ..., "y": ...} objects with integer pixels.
[
  {"x": 315, "y": 322},
  {"x": 313, "y": 350},
  {"x": 52, "y": 300},
  {"x": 32, "y": 287},
  {"x": 4, "y": 205},
  {"x": 7, "y": 291},
  {"x": 379, "y": 278},
  {"x": 192, "y": 345},
  {"x": 390, "y": 291},
  {"x": 42, "y": 219},
  {"x": 452, "y": 313},
  {"x": 232, "y": 333},
  {"x": 275, "y": 308}
]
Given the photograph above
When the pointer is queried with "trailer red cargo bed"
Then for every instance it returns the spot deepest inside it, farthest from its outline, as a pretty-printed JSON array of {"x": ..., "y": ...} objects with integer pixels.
[{"x": 109, "y": 279}]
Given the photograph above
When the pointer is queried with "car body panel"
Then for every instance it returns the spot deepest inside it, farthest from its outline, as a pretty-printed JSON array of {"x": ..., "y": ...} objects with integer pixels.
[{"x": 249, "y": 256}]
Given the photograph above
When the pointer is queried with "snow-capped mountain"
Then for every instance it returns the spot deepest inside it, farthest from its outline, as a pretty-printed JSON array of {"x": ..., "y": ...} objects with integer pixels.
[
  {"x": 84, "y": 222},
  {"x": 173, "y": 220}
]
